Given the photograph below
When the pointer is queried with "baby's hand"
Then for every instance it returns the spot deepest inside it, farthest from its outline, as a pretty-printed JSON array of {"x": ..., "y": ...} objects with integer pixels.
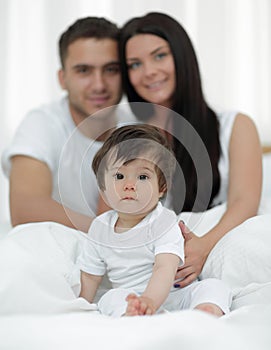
[{"x": 138, "y": 306}]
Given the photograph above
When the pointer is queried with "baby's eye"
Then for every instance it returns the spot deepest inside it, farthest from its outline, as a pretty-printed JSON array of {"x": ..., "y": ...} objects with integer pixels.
[
  {"x": 118, "y": 176},
  {"x": 143, "y": 177}
]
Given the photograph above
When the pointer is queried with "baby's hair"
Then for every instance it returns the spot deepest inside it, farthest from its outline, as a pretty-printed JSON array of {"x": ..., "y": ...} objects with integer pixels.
[{"x": 131, "y": 142}]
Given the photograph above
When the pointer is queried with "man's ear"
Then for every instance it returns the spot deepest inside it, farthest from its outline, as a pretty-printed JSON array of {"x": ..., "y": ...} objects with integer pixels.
[{"x": 61, "y": 78}]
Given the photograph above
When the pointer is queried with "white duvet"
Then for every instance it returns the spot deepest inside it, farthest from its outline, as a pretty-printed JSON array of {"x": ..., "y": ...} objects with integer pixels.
[
  {"x": 39, "y": 309},
  {"x": 245, "y": 329},
  {"x": 45, "y": 314}
]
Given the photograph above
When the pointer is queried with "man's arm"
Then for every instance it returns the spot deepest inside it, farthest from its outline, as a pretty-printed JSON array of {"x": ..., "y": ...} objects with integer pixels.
[{"x": 31, "y": 196}]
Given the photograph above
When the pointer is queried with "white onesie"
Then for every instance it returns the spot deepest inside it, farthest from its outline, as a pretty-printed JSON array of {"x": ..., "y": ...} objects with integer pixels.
[{"x": 128, "y": 259}]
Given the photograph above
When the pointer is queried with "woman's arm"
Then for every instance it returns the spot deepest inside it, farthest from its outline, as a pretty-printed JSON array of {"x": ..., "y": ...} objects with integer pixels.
[
  {"x": 244, "y": 193},
  {"x": 158, "y": 288}
]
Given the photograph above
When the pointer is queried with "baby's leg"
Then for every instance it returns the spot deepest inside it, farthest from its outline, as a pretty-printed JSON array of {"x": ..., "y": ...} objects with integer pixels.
[
  {"x": 211, "y": 309},
  {"x": 113, "y": 303},
  {"x": 210, "y": 295}
]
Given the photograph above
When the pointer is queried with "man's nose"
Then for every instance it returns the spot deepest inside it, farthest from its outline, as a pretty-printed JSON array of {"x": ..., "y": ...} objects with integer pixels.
[{"x": 98, "y": 81}]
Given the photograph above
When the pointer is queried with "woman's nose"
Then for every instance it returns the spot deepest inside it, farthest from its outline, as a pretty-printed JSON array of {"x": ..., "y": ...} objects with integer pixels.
[{"x": 149, "y": 68}]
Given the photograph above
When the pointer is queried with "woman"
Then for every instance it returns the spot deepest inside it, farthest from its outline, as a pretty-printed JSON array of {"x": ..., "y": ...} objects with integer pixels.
[{"x": 159, "y": 66}]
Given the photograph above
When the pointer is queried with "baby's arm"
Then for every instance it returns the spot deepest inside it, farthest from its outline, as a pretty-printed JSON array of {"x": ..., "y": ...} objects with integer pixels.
[
  {"x": 158, "y": 288},
  {"x": 89, "y": 285}
]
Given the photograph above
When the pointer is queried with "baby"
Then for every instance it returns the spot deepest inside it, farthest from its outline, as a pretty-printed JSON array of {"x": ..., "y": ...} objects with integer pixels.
[{"x": 139, "y": 243}]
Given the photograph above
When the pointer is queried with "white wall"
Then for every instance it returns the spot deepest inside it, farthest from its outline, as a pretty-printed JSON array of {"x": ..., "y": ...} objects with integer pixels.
[{"x": 231, "y": 38}]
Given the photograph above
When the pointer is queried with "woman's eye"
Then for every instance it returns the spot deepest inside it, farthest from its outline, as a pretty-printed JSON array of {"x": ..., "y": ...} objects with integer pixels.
[
  {"x": 133, "y": 65},
  {"x": 160, "y": 56}
]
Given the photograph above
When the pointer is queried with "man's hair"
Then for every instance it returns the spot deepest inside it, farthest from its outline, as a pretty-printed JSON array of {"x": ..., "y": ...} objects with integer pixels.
[
  {"x": 140, "y": 141},
  {"x": 88, "y": 27}
]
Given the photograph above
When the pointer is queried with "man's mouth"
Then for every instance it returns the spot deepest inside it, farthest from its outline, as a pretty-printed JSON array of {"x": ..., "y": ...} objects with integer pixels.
[{"x": 99, "y": 100}]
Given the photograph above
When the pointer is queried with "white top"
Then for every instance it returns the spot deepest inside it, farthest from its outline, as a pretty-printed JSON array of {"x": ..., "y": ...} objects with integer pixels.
[
  {"x": 226, "y": 121},
  {"x": 128, "y": 257},
  {"x": 49, "y": 134}
]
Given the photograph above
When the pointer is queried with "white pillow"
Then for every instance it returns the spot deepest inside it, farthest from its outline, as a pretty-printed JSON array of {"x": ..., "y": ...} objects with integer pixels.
[
  {"x": 243, "y": 256},
  {"x": 266, "y": 191}
]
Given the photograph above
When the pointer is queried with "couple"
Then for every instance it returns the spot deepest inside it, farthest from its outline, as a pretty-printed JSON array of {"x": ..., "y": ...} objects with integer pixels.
[{"x": 153, "y": 60}]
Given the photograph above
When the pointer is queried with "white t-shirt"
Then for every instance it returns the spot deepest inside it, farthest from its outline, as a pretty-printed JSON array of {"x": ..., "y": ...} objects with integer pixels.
[
  {"x": 49, "y": 134},
  {"x": 226, "y": 121},
  {"x": 128, "y": 257}
]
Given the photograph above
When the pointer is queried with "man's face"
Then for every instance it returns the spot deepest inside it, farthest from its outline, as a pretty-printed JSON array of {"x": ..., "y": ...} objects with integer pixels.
[{"x": 91, "y": 76}]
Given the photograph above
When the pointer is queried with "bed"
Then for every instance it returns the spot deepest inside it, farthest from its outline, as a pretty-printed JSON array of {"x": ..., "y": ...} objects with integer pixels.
[{"x": 53, "y": 318}]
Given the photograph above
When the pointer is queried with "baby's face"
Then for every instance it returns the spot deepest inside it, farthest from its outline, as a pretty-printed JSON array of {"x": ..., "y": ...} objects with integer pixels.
[{"x": 132, "y": 188}]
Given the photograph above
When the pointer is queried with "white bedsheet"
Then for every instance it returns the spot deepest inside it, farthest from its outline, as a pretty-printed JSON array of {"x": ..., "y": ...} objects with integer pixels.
[
  {"x": 48, "y": 316},
  {"x": 247, "y": 328}
]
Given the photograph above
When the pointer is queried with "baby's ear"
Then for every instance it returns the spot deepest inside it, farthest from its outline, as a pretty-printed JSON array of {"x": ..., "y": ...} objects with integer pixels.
[{"x": 162, "y": 191}]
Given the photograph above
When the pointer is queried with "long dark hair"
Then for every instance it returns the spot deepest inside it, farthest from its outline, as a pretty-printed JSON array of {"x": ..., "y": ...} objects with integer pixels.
[{"x": 188, "y": 102}]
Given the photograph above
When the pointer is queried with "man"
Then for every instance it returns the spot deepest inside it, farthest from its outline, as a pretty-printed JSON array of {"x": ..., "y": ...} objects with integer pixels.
[
  {"x": 48, "y": 164},
  {"x": 44, "y": 184}
]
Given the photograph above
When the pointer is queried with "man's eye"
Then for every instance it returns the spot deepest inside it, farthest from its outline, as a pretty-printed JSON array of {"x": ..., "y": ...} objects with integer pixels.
[
  {"x": 112, "y": 69},
  {"x": 118, "y": 176},
  {"x": 83, "y": 70},
  {"x": 143, "y": 177}
]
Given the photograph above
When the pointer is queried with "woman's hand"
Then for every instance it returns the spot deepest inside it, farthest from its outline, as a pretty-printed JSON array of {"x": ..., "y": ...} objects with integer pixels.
[{"x": 196, "y": 251}]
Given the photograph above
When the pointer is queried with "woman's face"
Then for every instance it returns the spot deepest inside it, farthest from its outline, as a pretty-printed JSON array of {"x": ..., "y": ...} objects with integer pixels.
[{"x": 151, "y": 68}]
